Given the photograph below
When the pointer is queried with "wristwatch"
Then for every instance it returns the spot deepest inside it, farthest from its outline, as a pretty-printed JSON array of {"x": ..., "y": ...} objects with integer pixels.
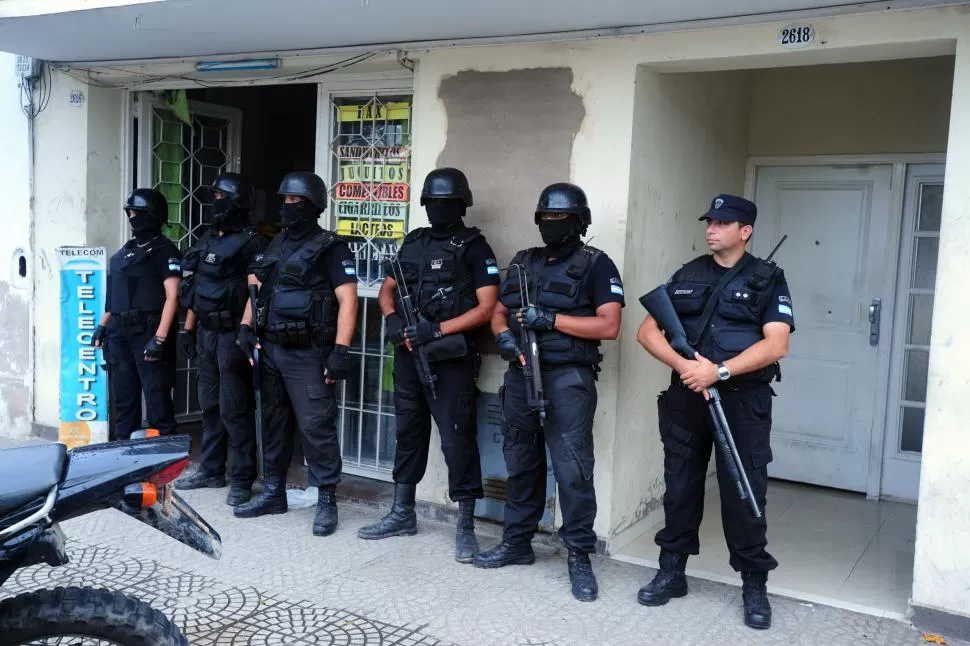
[{"x": 722, "y": 372}]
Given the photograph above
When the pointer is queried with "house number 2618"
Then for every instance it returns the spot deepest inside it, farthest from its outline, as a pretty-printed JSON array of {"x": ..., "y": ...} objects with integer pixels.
[{"x": 796, "y": 36}]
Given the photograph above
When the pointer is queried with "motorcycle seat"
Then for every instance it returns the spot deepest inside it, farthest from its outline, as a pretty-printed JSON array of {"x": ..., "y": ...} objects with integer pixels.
[{"x": 29, "y": 472}]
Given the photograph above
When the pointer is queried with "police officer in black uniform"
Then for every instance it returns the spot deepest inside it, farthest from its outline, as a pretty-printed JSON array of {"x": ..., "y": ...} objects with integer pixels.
[
  {"x": 576, "y": 300},
  {"x": 307, "y": 283},
  {"x": 215, "y": 295},
  {"x": 451, "y": 274},
  {"x": 739, "y": 346},
  {"x": 140, "y": 311}
]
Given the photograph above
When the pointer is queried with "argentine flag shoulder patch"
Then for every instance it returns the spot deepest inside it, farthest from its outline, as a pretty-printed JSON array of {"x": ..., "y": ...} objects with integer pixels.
[
  {"x": 174, "y": 264},
  {"x": 492, "y": 270},
  {"x": 784, "y": 309},
  {"x": 617, "y": 289}
]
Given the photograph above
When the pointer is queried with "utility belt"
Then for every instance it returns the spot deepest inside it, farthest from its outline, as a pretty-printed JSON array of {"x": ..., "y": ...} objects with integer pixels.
[
  {"x": 295, "y": 334},
  {"x": 746, "y": 381},
  {"x": 220, "y": 321},
  {"x": 136, "y": 321}
]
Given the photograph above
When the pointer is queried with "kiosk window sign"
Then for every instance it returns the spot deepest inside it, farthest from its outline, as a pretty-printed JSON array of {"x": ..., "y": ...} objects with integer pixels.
[
  {"x": 83, "y": 383},
  {"x": 371, "y": 149}
]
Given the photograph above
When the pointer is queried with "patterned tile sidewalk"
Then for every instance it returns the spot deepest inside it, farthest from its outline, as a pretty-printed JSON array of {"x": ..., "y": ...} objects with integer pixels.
[{"x": 278, "y": 584}]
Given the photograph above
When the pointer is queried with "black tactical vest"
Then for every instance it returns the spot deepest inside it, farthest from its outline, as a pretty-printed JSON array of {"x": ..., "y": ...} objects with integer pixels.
[
  {"x": 561, "y": 286},
  {"x": 439, "y": 279},
  {"x": 735, "y": 324},
  {"x": 134, "y": 284},
  {"x": 219, "y": 282},
  {"x": 300, "y": 300}
]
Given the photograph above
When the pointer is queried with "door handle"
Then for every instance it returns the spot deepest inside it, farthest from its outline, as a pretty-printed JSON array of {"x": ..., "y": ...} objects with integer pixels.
[{"x": 875, "y": 316}]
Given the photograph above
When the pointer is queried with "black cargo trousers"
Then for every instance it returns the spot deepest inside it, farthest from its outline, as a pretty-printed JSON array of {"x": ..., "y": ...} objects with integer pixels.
[
  {"x": 296, "y": 399},
  {"x": 686, "y": 431},
  {"x": 130, "y": 376},
  {"x": 568, "y": 432},
  {"x": 226, "y": 398},
  {"x": 454, "y": 413}
]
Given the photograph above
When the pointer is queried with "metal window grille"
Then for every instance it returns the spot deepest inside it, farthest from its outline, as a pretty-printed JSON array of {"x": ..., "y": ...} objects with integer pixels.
[
  {"x": 370, "y": 147},
  {"x": 181, "y": 161}
]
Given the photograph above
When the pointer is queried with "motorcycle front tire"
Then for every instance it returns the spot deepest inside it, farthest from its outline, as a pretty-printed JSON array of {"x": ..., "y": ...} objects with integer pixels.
[{"x": 85, "y": 612}]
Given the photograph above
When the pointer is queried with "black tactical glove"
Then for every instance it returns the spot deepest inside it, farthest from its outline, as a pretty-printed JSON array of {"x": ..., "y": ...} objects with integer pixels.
[
  {"x": 155, "y": 348},
  {"x": 423, "y": 332},
  {"x": 246, "y": 340},
  {"x": 338, "y": 363},
  {"x": 97, "y": 339},
  {"x": 394, "y": 328},
  {"x": 187, "y": 343},
  {"x": 508, "y": 346},
  {"x": 537, "y": 319}
]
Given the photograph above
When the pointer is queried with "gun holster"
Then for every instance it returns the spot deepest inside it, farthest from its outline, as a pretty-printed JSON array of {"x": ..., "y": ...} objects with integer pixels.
[{"x": 451, "y": 346}]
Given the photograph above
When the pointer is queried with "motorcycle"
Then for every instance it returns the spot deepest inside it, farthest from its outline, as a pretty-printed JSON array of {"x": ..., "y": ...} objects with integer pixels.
[{"x": 44, "y": 485}]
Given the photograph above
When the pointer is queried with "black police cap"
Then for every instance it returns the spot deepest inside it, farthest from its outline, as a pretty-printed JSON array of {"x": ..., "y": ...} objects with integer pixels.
[{"x": 731, "y": 208}]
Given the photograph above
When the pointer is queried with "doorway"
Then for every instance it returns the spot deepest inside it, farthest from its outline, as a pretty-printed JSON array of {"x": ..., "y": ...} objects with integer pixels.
[
  {"x": 861, "y": 264},
  {"x": 185, "y": 139},
  {"x": 359, "y": 142}
]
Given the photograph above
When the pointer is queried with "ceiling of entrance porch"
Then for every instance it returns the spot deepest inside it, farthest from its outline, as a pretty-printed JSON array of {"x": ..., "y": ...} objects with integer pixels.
[{"x": 146, "y": 29}]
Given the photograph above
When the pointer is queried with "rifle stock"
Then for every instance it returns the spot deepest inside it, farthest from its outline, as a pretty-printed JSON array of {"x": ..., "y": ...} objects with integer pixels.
[{"x": 657, "y": 303}]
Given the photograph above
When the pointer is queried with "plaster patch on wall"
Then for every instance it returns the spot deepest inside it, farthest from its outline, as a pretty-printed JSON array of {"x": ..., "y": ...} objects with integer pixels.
[
  {"x": 512, "y": 134},
  {"x": 14, "y": 321},
  {"x": 14, "y": 358}
]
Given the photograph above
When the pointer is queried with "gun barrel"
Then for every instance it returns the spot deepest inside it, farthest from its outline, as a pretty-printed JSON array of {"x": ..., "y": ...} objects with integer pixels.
[{"x": 257, "y": 388}]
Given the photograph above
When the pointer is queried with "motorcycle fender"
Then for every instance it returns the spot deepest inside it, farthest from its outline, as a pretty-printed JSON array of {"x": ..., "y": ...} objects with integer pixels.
[{"x": 173, "y": 516}]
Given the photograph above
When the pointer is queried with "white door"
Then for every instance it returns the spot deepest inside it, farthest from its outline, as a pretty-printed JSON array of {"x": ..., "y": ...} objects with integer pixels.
[
  {"x": 836, "y": 261},
  {"x": 919, "y": 244}
]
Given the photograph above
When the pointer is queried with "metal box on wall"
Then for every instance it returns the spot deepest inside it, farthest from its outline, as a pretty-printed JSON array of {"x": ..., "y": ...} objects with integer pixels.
[{"x": 494, "y": 473}]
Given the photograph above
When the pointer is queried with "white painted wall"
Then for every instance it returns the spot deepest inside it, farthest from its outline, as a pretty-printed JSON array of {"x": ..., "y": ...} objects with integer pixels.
[
  {"x": 689, "y": 140},
  {"x": 15, "y": 381},
  {"x": 942, "y": 561},
  {"x": 77, "y": 200},
  {"x": 605, "y": 83},
  {"x": 898, "y": 106}
]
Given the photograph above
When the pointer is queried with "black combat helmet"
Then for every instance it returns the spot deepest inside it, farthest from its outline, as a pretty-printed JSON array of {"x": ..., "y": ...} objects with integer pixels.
[
  {"x": 305, "y": 184},
  {"x": 564, "y": 198},
  {"x": 241, "y": 192},
  {"x": 149, "y": 200},
  {"x": 444, "y": 183}
]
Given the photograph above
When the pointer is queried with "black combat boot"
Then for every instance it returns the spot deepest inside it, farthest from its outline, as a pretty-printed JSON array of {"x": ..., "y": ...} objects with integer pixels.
[
  {"x": 670, "y": 581},
  {"x": 199, "y": 480},
  {"x": 325, "y": 522},
  {"x": 754, "y": 593},
  {"x": 581, "y": 576},
  {"x": 272, "y": 500},
  {"x": 238, "y": 494},
  {"x": 466, "y": 544},
  {"x": 400, "y": 521},
  {"x": 506, "y": 554}
]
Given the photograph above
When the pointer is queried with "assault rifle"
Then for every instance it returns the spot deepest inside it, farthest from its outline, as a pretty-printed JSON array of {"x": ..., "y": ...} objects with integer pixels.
[
  {"x": 527, "y": 340},
  {"x": 411, "y": 316},
  {"x": 257, "y": 385},
  {"x": 657, "y": 303}
]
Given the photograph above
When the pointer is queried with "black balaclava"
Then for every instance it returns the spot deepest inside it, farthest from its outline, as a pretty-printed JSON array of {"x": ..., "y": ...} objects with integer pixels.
[
  {"x": 299, "y": 217},
  {"x": 225, "y": 216},
  {"x": 144, "y": 226},
  {"x": 445, "y": 216},
  {"x": 560, "y": 236}
]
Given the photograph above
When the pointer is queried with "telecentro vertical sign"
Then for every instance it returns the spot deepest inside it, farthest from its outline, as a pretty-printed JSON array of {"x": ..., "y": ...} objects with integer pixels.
[{"x": 84, "y": 382}]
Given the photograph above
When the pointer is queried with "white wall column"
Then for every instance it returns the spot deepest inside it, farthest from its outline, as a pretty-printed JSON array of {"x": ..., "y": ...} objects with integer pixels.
[{"x": 941, "y": 596}]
